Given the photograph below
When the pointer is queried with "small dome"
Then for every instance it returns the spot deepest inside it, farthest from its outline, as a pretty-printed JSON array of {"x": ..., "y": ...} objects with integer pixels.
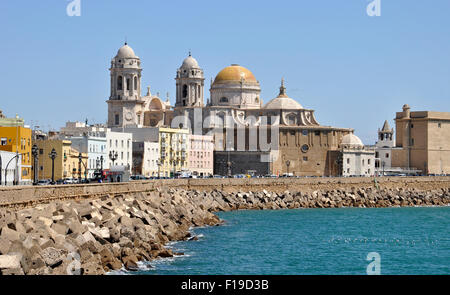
[
  {"x": 282, "y": 101},
  {"x": 126, "y": 52},
  {"x": 190, "y": 62},
  {"x": 352, "y": 141},
  {"x": 235, "y": 73},
  {"x": 285, "y": 103}
]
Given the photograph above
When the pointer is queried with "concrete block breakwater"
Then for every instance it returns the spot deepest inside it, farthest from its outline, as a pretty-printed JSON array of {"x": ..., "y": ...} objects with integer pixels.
[{"x": 95, "y": 236}]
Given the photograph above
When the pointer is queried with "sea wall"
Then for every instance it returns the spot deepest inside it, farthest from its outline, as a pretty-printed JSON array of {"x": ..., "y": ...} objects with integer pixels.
[
  {"x": 109, "y": 230},
  {"x": 25, "y": 196}
]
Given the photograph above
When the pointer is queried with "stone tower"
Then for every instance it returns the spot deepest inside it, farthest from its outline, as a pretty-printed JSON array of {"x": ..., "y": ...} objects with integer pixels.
[
  {"x": 386, "y": 136},
  {"x": 124, "y": 104},
  {"x": 190, "y": 84}
]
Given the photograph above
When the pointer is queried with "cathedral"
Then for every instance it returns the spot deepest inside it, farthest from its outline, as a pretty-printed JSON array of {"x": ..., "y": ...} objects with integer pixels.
[{"x": 235, "y": 115}]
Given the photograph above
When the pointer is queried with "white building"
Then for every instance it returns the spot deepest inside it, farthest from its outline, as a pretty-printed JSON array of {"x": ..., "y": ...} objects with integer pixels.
[
  {"x": 94, "y": 146},
  {"x": 357, "y": 160},
  {"x": 383, "y": 149},
  {"x": 120, "y": 143},
  {"x": 8, "y": 176},
  {"x": 116, "y": 142},
  {"x": 145, "y": 158}
]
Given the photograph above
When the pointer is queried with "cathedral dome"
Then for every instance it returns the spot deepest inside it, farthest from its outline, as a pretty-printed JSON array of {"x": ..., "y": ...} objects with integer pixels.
[
  {"x": 282, "y": 101},
  {"x": 126, "y": 52},
  {"x": 235, "y": 73},
  {"x": 351, "y": 140},
  {"x": 190, "y": 62}
]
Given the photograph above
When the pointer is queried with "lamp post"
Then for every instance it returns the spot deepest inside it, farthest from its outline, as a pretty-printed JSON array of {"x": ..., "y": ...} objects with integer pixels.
[
  {"x": 99, "y": 163},
  {"x": 113, "y": 156},
  {"x": 52, "y": 156},
  {"x": 158, "y": 162},
  {"x": 34, "y": 151},
  {"x": 288, "y": 163},
  {"x": 80, "y": 161}
]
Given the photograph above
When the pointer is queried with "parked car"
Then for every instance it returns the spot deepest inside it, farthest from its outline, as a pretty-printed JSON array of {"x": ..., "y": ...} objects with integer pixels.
[{"x": 44, "y": 182}]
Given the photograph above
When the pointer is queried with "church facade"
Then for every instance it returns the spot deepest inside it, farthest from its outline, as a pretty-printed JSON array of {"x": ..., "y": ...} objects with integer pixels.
[{"x": 281, "y": 133}]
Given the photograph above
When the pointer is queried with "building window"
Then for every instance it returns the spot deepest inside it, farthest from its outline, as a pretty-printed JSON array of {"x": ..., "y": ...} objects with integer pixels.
[
  {"x": 305, "y": 159},
  {"x": 116, "y": 119},
  {"x": 184, "y": 91},
  {"x": 412, "y": 125},
  {"x": 377, "y": 155},
  {"x": 128, "y": 84},
  {"x": 4, "y": 141},
  {"x": 119, "y": 83},
  {"x": 387, "y": 155},
  {"x": 412, "y": 141},
  {"x": 305, "y": 132},
  {"x": 348, "y": 161},
  {"x": 135, "y": 83},
  {"x": 317, "y": 133},
  {"x": 368, "y": 161},
  {"x": 439, "y": 125},
  {"x": 305, "y": 148},
  {"x": 41, "y": 151},
  {"x": 224, "y": 99}
]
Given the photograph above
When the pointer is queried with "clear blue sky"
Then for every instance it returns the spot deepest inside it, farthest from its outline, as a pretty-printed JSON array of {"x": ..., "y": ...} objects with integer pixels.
[{"x": 354, "y": 70}]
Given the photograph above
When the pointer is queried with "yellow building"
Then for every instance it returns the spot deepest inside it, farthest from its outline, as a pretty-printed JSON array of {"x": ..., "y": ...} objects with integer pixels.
[
  {"x": 173, "y": 145},
  {"x": 17, "y": 139},
  {"x": 66, "y": 161}
]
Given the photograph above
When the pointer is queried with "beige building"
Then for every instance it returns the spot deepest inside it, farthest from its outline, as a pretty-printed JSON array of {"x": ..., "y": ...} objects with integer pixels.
[
  {"x": 66, "y": 161},
  {"x": 301, "y": 147},
  {"x": 422, "y": 141}
]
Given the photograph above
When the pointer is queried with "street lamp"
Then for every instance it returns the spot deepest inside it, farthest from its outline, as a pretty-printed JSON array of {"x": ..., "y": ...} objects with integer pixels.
[
  {"x": 99, "y": 163},
  {"x": 80, "y": 161},
  {"x": 52, "y": 156},
  {"x": 288, "y": 163},
  {"x": 113, "y": 156},
  {"x": 35, "y": 152},
  {"x": 158, "y": 162}
]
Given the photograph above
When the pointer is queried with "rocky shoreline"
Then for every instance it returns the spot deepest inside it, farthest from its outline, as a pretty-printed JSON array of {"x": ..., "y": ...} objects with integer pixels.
[{"x": 105, "y": 234}]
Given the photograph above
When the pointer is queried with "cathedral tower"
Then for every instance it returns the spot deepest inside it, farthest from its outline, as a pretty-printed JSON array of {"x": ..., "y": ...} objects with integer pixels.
[
  {"x": 190, "y": 84},
  {"x": 124, "y": 104}
]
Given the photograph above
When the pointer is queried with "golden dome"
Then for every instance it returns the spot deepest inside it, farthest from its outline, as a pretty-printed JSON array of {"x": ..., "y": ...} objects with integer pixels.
[{"x": 235, "y": 73}]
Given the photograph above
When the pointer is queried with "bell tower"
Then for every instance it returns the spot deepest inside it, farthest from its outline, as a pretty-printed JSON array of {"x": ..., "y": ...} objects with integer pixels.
[
  {"x": 190, "y": 83},
  {"x": 124, "y": 104},
  {"x": 386, "y": 136}
]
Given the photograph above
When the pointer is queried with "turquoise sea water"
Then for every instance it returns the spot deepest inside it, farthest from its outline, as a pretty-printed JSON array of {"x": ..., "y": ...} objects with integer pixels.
[{"x": 317, "y": 241}]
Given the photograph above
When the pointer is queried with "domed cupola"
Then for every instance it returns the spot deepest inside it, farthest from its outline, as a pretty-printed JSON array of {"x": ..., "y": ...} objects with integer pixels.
[
  {"x": 126, "y": 52},
  {"x": 190, "y": 63},
  {"x": 351, "y": 141},
  {"x": 236, "y": 86},
  {"x": 283, "y": 101}
]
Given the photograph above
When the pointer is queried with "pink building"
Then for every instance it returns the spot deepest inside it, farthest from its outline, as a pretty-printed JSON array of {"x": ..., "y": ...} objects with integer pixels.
[{"x": 201, "y": 153}]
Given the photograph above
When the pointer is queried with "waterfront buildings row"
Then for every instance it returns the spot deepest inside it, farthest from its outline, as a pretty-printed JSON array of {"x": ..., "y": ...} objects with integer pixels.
[{"x": 234, "y": 132}]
